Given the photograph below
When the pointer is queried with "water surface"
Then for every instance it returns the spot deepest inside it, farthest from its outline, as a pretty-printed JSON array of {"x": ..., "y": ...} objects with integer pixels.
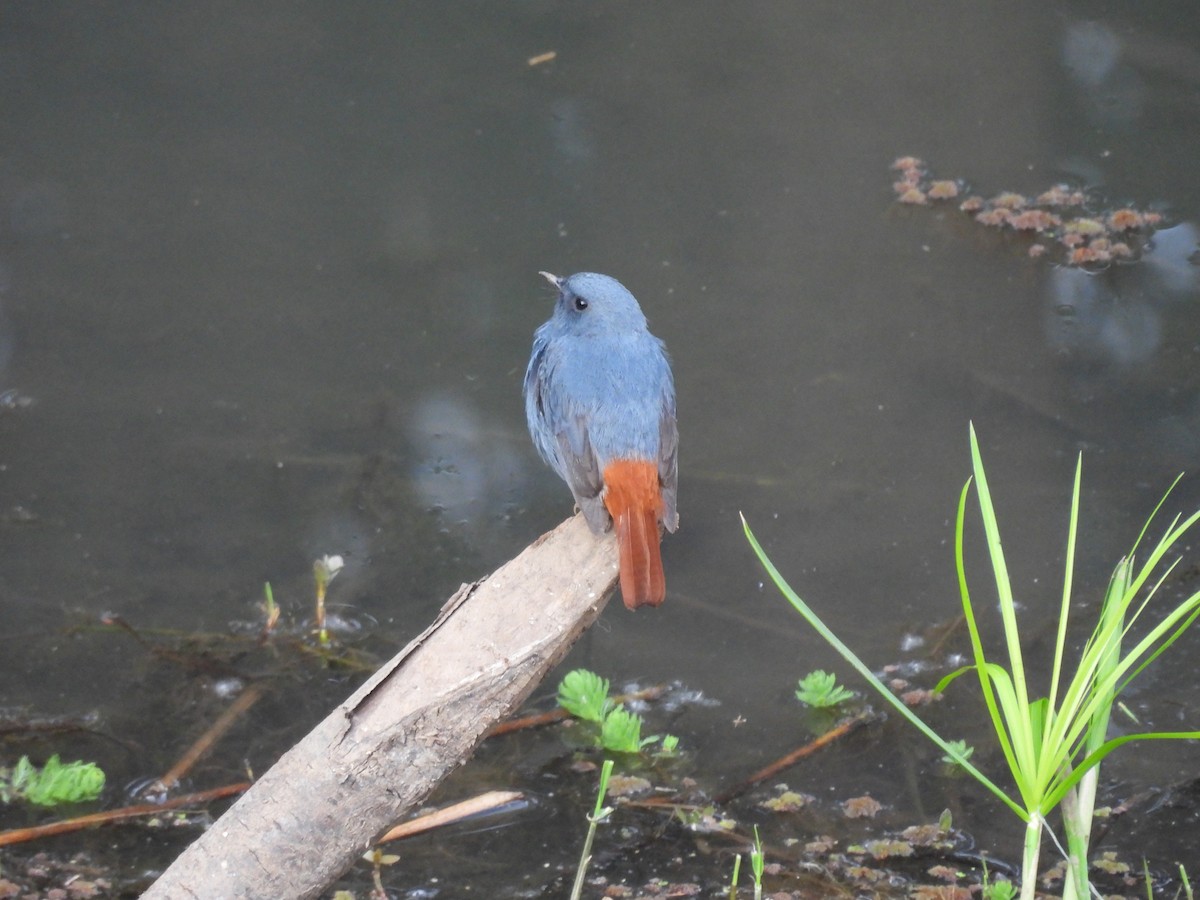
[{"x": 268, "y": 284}]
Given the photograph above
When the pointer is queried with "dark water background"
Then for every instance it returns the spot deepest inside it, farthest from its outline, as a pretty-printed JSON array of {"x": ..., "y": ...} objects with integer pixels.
[{"x": 268, "y": 283}]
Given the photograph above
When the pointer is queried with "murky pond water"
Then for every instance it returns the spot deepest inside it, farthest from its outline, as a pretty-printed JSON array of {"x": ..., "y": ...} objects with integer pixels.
[{"x": 268, "y": 284}]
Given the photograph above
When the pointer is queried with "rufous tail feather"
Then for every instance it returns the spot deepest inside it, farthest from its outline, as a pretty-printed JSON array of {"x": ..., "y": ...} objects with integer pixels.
[{"x": 634, "y": 499}]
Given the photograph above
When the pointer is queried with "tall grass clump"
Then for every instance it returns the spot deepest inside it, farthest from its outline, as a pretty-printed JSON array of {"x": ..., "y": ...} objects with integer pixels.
[{"x": 1052, "y": 742}]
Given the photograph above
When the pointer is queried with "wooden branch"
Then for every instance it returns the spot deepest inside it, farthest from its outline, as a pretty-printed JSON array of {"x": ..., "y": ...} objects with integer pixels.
[
  {"x": 378, "y": 755},
  {"x": 449, "y": 815}
]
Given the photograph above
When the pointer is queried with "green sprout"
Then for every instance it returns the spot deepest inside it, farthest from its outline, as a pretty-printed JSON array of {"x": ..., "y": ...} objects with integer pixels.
[
  {"x": 996, "y": 890},
  {"x": 54, "y": 784},
  {"x": 820, "y": 690},
  {"x": 325, "y": 570},
  {"x": 621, "y": 731},
  {"x": 584, "y": 695},
  {"x": 757, "y": 864},
  {"x": 962, "y": 750}
]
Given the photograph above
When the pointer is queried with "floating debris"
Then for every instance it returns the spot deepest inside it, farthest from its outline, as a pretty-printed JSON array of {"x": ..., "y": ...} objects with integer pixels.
[
  {"x": 1009, "y": 200},
  {"x": 994, "y": 217},
  {"x": 1035, "y": 220},
  {"x": 1086, "y": 227},
  {"x": 1061, "y": 195},
  {"x": 914, "y": 196},
  {"x": 1125, "y": 220},
  {"x": 864, "y": 807},
  {"x": 788, "y": 801},
  {"x": 1091, "y": 237},
  {"x": 943, "y": 190}
]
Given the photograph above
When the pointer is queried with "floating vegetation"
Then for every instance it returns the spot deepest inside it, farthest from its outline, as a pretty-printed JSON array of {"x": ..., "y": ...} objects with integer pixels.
[
  {"x": 584, "y": 695},
  {"x": 820, "y": 689},
  {"x": 1065, "y": 222},
  {"x": 54, "y": 784}
]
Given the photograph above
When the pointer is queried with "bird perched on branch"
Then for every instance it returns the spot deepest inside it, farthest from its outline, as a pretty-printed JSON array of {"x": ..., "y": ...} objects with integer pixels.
[{"x": 600, "y": 403}]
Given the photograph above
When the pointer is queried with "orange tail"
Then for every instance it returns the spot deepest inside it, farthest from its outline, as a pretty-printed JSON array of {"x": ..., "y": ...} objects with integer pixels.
[{"x": 634, "y": 499}]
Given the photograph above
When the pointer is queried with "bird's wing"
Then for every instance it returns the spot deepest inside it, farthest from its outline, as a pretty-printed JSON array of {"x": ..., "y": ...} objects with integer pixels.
[
  {"x": 668, "y": 461},
  {"x": 581, "y": 470},
  {"x": 560, "y": 434}
]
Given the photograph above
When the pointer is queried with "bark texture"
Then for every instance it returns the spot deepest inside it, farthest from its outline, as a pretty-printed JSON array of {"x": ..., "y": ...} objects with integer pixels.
[{"x": 379, "y": 754}]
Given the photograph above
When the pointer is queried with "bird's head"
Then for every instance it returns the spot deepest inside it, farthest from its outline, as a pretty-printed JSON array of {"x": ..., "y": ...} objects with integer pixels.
[{"x": 589, "y": 303}]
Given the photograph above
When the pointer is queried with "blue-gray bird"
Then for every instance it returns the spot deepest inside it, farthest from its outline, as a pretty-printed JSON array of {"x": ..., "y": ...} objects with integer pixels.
[{"x": 600, "y": 402}]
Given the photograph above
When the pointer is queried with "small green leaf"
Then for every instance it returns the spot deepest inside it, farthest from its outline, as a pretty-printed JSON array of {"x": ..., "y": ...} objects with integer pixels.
[
  {"x": 57, "y": 782},
  {"x": 584, "y": 695},
  {"x": 960, "y": 750},
  {"x": 757, "y": 860},
  {"x": 999, "y": 890},
  {"x": 821, "y": 690},
  {"x": 621, "y": 731}
]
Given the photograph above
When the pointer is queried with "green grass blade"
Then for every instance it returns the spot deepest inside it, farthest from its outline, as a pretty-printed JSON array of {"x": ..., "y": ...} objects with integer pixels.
[
  {"x": 991, "y": 529},
  {"x": 1093, "y": 759},
  {"x": 977, "y": 651},
  {"x": 1060, "y": 640}
]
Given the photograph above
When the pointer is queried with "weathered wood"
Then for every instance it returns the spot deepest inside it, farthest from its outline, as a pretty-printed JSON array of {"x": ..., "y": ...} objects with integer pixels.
[{"x": 379, "y": 754}]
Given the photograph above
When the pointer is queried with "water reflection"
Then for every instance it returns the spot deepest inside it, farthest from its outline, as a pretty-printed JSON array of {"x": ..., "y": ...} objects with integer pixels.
[
  {"x": 461, "y": 471},
  {"x": 1113, "y": 93},
  {"x": 1114, "y": 315},
  {"x": 1090, "y": 322}
]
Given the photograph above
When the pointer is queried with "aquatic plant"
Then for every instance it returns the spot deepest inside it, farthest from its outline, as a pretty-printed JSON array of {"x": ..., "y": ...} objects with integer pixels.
[
  {"x": 54, "y": 784},
  {"x": 757, "y": 864},
  {"x": 962, "y": 750},
  {"x": 1093, "y": 236},
  {"x": 1052, "y": 744},
  {"x": 820, "y": 689},
  {"x": 584, "y": 695}
]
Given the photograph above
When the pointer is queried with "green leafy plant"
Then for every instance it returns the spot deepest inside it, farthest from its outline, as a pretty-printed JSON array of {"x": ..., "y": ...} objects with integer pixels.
[
  {"x": 821, "y": 690},
  {"x": 584, "y": 695},
  {"x": 54, "y": 784},
  {"x": 621, "y": 731},
  {"x": 962, "y": 749},
  {"x": 1050, "y": 743},
  {"x": 757, "y": 864},
  {"x": 999, "y": 890}
]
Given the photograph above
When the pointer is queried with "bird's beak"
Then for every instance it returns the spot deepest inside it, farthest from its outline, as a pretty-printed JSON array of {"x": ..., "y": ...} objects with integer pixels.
[{"x": 553, "y": 279}]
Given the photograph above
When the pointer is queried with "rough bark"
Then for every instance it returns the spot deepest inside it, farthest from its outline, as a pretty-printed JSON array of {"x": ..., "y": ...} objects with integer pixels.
[{"x": 379, "y": 754}]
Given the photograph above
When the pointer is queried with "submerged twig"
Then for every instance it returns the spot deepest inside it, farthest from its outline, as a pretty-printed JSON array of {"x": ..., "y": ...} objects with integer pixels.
[
  {"x": 840, "y": 730},
  {"x": 456, "y": 812},
  {"x": 206, "y": 741},
  {"x": 65, "y": 826}
]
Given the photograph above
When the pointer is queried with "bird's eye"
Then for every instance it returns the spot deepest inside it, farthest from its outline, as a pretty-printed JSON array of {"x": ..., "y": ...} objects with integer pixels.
[{"x": 580, "y": 304}]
